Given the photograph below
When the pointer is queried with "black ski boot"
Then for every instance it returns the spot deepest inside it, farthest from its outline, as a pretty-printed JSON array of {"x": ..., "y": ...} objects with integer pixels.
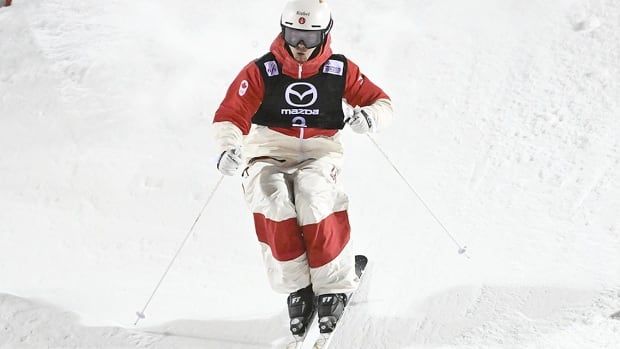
[
  {"x": 330, "y": 308},
  {"x": 301, "y": 310}
]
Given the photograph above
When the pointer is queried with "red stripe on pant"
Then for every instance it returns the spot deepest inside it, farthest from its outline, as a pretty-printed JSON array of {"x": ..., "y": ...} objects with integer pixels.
[
  {"x": 284, "y": 237},
  {"x": 322, "y": 241},
  {"x": 326, "y": 239},
  {"x": 8, "y": 2}
]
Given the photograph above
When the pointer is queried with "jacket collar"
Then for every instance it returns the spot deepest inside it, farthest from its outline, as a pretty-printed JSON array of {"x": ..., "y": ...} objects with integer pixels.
[{"x": 291, "y": 67}]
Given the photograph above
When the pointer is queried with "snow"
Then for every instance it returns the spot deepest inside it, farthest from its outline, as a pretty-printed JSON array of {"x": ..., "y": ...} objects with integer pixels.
[{"x": 506, "y": 124}]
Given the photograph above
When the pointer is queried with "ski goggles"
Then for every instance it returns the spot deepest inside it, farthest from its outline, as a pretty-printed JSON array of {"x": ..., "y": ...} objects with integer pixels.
[{"x": 310, "y": 38}]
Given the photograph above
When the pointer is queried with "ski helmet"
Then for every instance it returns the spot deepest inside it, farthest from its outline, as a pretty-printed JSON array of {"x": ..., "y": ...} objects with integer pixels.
[{"x": 307, "y": 21}]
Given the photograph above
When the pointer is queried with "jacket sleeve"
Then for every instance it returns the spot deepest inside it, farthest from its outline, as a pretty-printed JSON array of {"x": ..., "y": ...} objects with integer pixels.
[
  {"x": 360, "y": 91},
  {"x": 233, "y": 118}
]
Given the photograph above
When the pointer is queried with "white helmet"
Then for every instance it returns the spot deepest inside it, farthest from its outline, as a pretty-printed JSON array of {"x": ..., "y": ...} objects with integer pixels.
[{"x": 307, "y": 21}]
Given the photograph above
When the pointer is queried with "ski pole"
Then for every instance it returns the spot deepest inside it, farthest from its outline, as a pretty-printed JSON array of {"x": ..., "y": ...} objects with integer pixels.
[
  {"x": 140, "y": 314},
  {"x": 461, "y": 249}
]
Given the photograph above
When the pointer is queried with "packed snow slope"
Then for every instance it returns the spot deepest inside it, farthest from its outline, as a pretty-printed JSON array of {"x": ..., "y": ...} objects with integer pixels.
[{"x": 507, "y": 123}]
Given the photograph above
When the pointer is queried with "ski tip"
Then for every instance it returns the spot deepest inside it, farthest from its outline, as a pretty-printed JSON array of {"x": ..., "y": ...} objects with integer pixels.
[
  {"x": 615, "y": 315},
  {"x": 361, "y": 259},
  {"x": 360, "y": 264}
]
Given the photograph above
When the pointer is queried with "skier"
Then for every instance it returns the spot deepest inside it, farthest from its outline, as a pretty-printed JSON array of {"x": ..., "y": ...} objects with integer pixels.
[{"x": 280, "y": 121}]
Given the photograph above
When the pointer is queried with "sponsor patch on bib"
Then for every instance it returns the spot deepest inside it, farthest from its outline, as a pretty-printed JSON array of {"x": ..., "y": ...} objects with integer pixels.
[
  {"x": 333, "y": 67},
  {"x": 272, "y": 68}
]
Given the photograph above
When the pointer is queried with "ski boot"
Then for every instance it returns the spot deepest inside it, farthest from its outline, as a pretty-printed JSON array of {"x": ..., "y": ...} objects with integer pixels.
[
  {"x": 301, "y": 310},
  {"x": 330, "y": 308}
]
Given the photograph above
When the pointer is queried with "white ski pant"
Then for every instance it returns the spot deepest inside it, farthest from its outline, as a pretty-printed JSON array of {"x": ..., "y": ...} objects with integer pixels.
[{"x": 300, "y": 216}]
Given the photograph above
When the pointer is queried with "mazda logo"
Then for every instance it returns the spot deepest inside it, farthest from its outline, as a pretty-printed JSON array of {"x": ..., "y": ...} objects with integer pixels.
[{"x": 308, "y": 90}]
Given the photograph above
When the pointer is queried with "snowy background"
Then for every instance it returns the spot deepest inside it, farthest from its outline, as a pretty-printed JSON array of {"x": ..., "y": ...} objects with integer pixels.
[{"x": 507, "y": 124}]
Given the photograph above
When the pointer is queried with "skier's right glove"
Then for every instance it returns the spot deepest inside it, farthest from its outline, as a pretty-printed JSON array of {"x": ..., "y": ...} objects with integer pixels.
[{"x": 229, "y": 161}]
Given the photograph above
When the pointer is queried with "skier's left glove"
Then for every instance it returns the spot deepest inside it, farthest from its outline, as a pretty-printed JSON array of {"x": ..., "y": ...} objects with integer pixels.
[
  {"x": 361, "y": 119},
  {"x": 229, "y": 161}
]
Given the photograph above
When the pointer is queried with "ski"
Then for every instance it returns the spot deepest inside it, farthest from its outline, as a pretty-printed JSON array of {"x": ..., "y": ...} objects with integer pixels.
[
  {"x": 298, "y": 340},
  {"x": 615, "y": 315},
  {"x": 325, "y": 338},
  {"x": 297, "y": 343}
]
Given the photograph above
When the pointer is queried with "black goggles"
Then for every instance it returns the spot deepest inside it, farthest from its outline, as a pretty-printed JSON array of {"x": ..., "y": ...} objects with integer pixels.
[{"x": 310, "y": 38}]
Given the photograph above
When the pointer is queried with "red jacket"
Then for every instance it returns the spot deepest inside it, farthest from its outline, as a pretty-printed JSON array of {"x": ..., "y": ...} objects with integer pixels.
[{"x": 245, "y": 94}]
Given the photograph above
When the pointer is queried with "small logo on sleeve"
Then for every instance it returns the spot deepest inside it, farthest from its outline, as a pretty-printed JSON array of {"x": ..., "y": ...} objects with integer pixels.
[
  {"x": 272, "y": 68},
  {"x": 243, "y": 87}
]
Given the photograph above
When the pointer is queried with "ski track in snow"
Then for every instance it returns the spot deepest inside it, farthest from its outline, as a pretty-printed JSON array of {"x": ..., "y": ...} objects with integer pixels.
[{"x": 506, "y": 123}]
